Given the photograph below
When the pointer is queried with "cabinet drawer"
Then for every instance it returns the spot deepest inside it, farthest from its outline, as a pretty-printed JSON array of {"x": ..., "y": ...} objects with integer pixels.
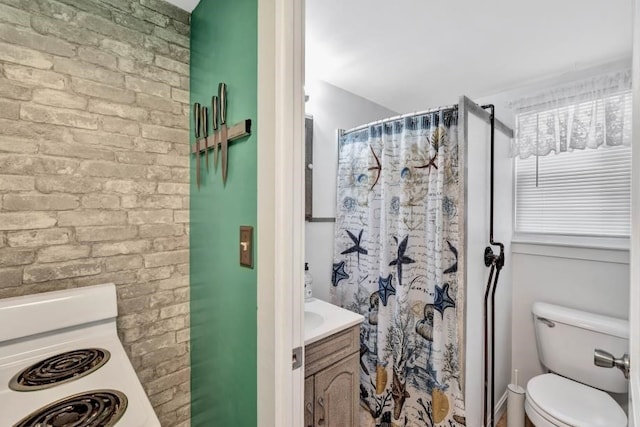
[{"x": 330, "y": 350}]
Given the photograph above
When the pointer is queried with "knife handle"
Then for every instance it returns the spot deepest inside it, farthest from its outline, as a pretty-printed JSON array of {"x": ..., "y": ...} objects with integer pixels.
[
  {"x": 196, "y": 118},
  {"x": 205, "y": 121},
  {"x": 222, "y": 94},
  {"x": 215, "y": 111}
]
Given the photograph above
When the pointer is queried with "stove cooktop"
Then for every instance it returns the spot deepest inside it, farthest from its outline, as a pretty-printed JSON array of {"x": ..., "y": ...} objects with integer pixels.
[
  {"x": 96, "y": 408},
  {"x": 63, "y": 365},
  {"x": 59, "y": 369},
  {"x": 106, "y": 367}
]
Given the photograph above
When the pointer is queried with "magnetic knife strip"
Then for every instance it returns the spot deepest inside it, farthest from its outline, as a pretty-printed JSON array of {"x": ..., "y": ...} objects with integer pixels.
[{"x": 222, "y": 134}]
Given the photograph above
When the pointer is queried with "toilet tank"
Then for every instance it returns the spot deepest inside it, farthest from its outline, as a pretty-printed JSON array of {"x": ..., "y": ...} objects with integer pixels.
[{"x": 566, "y": 339}]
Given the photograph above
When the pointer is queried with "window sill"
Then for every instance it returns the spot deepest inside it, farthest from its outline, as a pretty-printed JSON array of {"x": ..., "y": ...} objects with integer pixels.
[{"x": 614, "y": 250}]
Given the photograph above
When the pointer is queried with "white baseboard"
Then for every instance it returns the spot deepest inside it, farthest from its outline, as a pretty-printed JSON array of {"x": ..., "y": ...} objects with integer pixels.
[{"x": 501, "y": 407}]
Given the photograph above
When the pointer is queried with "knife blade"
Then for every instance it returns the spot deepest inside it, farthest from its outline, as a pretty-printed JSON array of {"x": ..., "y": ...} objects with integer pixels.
[
  {"x": 205, "y": 133},
  {"x": 197, "y": 117},
  {"x": 215, "y": 113},
  {"x": 222, "y": 94}
]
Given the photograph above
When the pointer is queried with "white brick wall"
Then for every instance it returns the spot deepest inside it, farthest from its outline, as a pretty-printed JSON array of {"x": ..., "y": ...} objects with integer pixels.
[{"x": 94, "y": 179}]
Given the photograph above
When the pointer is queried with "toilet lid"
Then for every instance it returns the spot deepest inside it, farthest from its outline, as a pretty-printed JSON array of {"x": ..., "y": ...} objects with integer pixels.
[{"x": 574, "y": 403}]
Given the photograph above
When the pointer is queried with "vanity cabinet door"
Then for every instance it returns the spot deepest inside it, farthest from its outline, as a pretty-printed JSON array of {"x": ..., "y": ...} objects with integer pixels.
[
  {"x": 308, "y": 402},
  {"x": 337, "y": 393}
]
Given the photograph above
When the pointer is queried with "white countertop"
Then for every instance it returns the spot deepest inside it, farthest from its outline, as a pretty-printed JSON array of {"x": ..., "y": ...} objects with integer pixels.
[{"x": 323, "y": 319}]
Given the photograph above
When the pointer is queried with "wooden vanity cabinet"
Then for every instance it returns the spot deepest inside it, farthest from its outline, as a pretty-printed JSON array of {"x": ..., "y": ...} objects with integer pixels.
[{"x": 332, "y": 384}]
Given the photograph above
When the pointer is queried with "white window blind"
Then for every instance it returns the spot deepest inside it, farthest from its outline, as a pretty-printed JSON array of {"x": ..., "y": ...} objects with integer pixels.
[{"x": 580, "y": 192}]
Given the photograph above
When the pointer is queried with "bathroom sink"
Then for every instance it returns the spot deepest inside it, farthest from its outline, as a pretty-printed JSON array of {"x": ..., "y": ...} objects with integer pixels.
[
  {"x": 322, "y": 319},
  {"x": 311, "y": 321}
]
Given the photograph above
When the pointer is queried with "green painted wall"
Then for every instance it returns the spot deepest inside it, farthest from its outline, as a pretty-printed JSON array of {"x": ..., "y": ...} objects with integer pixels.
[{"x": 223, "y": 294}]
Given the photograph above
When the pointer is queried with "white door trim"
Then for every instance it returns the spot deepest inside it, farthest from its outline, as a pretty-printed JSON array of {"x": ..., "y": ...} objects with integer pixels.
[
  {"x": 634, "y": 285},
  {"x": 280, "y": 224}
]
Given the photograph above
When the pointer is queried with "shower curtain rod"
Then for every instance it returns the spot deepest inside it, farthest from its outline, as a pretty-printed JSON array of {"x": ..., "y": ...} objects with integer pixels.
[{"x": 402, "y": 116}]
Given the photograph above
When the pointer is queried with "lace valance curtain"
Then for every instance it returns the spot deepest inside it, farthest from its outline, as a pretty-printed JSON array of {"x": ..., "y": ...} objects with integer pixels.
[{"x": 589, "y": 113}]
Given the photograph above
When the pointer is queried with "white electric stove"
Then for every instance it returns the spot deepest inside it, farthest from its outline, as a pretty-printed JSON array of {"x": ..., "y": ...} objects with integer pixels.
[{"x": 62, "y": 363}]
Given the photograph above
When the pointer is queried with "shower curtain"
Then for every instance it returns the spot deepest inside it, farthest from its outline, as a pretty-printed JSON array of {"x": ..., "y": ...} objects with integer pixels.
[{"x": 398, "y": 223}]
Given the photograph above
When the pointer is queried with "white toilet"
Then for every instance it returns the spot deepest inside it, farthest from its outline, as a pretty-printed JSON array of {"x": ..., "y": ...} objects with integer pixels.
[{"x": 573, "y": 393}]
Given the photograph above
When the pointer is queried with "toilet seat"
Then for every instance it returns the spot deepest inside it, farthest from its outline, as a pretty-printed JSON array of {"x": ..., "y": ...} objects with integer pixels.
[
  {"x": 540, "y": 418},
  {"x": 558, "y": 401}
]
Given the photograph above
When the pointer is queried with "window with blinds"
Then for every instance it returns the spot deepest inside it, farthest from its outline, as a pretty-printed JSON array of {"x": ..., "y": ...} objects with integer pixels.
[{"x": 572, "y": 191}]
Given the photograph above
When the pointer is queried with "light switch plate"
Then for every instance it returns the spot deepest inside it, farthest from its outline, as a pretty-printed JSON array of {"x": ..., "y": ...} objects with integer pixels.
[{"x": 246, "y": 246}]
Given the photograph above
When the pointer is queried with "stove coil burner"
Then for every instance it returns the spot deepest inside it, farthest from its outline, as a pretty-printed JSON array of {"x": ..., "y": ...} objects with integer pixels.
[
  {"x": 97, "y": 408},
  {"x": 59, "y": 369}
]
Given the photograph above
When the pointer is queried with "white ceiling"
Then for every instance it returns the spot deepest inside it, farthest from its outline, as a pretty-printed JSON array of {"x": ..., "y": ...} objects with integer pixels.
[
  {"x": 187, "y": 5},
  {"x": 416, "y": 54}
]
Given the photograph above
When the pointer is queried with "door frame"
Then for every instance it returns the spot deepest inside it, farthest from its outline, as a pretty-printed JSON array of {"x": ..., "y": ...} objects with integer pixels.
[
  {"x": 634, "y": 258},
  {"x": 280, "y": 223}
]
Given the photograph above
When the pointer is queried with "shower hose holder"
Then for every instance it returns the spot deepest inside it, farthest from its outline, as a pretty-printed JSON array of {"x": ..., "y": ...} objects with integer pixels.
[{"x": 492, "y": 259}]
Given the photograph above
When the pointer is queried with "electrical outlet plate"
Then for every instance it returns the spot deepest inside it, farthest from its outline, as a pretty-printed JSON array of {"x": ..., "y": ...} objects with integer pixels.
[{"x": 246, "y": 246}]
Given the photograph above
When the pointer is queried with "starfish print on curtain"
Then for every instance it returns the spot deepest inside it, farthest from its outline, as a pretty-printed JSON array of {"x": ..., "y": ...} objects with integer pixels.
[
  {"x": 357, "y": 248},
  {"x": 386, "y": 289},
  {"x": 454, "y": 266},
  {"x": 401, "y": 258},
  {"x": 338, "y": 273},
  {"x": 377, "y": 168},
  {"x": 442, "y": 300}
]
